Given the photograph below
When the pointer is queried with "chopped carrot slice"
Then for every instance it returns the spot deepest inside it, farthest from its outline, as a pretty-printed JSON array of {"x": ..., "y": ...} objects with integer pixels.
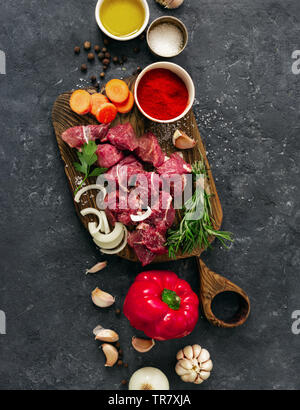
[
  {"x": 106, "y": 113},
  {"x": 117, "y": 91},
  {"x": 80, "y": 102},
  {"x": 97, "y": 100},
  {"x": 127, "y": 105}
]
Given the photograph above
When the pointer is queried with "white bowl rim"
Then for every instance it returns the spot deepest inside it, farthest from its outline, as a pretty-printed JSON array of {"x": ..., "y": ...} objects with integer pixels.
[
  {"x": 167, "y": 65},
  {"x": 106, "y": 32}
]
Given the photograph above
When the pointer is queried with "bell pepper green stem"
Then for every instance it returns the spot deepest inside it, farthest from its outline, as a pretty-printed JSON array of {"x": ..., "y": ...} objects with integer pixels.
[{"x": 171, "y": 299}]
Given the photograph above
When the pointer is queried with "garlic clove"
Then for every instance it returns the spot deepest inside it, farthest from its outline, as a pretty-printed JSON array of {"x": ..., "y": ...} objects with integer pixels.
[
  {"x": 188, "y": 352},
  {"x": 198, "y": 380},
  {"x": 189, "y": 377},
  {"x": 186, "y": 364},
  {"x": 111, "y": 354},
  {"x": 180, "y": 355},
  {"x": 142, "y": 345},
  {"x": 204, "y": 356},
  {"x": 196, "y": 350},
  {"x": 204, "y": 375},
  {"x": 102, "y": 299},
  {"x": 105, "y": 335},
  {"x": 96, "y": 268},
  {"x": 207, "y": 366},
  {"x": 170, "y": 4},
  {"x": 97, "y": 329},
  {"x": 182, "y": 141},
  {"x": 180, "y": 370}
]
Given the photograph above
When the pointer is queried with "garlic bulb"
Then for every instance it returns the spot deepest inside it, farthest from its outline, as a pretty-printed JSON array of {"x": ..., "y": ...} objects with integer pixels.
[
  {"x": 170, "y": 4},
  {"x": 148, "y": 378},
  {"x": 194, "y": 364}
]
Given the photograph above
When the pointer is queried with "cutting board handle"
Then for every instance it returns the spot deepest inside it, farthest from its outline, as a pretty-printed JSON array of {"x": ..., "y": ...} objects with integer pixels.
[{"x": 211, "y": 285}]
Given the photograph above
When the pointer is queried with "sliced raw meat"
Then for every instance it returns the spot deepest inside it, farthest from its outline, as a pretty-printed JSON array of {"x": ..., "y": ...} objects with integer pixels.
[
  {"x": 135, "y": 240},
  {"x": 75, "y": 137},
  {"x": 152, "y": 239},
  {"x": 149, "y": 150},
  {"x": 108, "y": 155},
  {"x": 174, "y": 165},
  {"x": 123, "y": 137}
]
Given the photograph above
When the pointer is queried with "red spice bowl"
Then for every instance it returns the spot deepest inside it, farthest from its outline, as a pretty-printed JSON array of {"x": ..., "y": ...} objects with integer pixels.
[{"x": 164, "y": 92}]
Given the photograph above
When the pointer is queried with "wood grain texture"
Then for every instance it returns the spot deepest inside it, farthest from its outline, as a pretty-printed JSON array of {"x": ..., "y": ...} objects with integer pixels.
[
  {"x": 63, "y": 118},
  {"x": 211, "y": 285}
]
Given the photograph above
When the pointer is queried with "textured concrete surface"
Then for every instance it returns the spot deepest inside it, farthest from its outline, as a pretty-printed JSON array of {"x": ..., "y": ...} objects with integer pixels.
[{"x": 247, "y": 108}]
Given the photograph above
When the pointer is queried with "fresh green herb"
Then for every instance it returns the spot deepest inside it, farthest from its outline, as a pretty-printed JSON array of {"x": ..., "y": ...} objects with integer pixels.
[
  {"x": 194, "y": 233},
  {"x": 87, "y": 157}
]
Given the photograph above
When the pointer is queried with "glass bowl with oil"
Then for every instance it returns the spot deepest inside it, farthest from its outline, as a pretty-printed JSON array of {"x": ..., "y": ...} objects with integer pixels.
[{"x": 122, "y": 19}]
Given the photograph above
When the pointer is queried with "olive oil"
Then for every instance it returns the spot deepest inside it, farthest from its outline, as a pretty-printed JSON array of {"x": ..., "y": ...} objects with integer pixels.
[{"x": 122, "y": 18}]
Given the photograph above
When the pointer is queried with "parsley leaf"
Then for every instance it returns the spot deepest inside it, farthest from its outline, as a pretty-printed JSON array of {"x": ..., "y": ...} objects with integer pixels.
[{"x": 87, "y": 157}]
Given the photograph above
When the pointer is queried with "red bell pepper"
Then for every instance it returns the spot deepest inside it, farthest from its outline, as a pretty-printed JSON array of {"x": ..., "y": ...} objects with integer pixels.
[{"x": 161, "y": 305}]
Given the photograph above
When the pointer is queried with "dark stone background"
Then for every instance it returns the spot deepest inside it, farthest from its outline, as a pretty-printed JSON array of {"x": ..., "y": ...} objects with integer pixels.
[{"x": 247, "y": 108}]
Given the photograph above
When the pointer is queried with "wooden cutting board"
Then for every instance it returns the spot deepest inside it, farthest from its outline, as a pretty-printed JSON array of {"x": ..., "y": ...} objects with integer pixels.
[{"x": 63, "y": 118}]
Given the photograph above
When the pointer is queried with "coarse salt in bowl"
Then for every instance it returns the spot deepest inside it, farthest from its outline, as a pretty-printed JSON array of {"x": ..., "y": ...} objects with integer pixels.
[
  {"x": 181, "y": 73},
  {"x": 167, "y": 36}
]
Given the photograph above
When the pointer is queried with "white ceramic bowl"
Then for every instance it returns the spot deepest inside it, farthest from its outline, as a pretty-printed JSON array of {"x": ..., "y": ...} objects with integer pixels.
[
  {"x": 182, "y": 74},
  {"x": 147, "y": 16}
]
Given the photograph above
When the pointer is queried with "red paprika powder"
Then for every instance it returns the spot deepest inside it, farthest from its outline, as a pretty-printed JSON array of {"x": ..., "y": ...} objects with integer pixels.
[{"x": 162, "y": 94}]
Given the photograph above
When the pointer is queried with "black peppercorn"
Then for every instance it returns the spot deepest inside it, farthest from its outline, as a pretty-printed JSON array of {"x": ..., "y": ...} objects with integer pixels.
[
  {"x": 125, "y": 365},
  {"x": 118, "y": 311},
  {"x": 104, "y": 67},
  {"x": 87, "y": 45},
  {"x": 76, "y": 50},
  {"x": 105, "y": 61},
  {"x": 91, "y": 57},
  {"x": 93, "y": 78},
  {"x": 101, "y": 56},
  {"x": 139, "y": 70},
  {"x": 102, "y": 75},
  {"x": 83, "y": 68},
  {"x": 124, "y": 382},
  {"x": 104, "y": 50},
  {"x": 107, "y": 55},
  {"x": 119, "y": 363},
  {"x": 106, "y": 41},
  {"x": 116, "y": 60},
  {"x": 97, "y": 48},
  {"x": 118, "y": 345}
]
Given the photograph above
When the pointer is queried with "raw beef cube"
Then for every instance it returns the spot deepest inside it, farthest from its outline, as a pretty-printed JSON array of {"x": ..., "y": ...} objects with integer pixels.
[
  {"x": 149, "y": 150},
  {"x": 163, "y": 214},
  {"x": 124, "y": 170},
  {"x": 135, "y": 240},
  {"x": 75, "y": 137},
  {"x": 123, "y": 137},
  {"x": 108, "y": 155},
  {"x": 152, "y": 239},
  {"x": 174, "y": 165}
]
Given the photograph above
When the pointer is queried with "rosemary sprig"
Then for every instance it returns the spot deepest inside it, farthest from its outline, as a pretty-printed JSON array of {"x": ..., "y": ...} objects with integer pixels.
[{"x": 191, "y": 233}]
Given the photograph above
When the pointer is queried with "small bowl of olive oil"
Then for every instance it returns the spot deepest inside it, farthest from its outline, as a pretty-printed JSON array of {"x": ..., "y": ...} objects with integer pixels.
[{"x": 122, "y": 19}]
